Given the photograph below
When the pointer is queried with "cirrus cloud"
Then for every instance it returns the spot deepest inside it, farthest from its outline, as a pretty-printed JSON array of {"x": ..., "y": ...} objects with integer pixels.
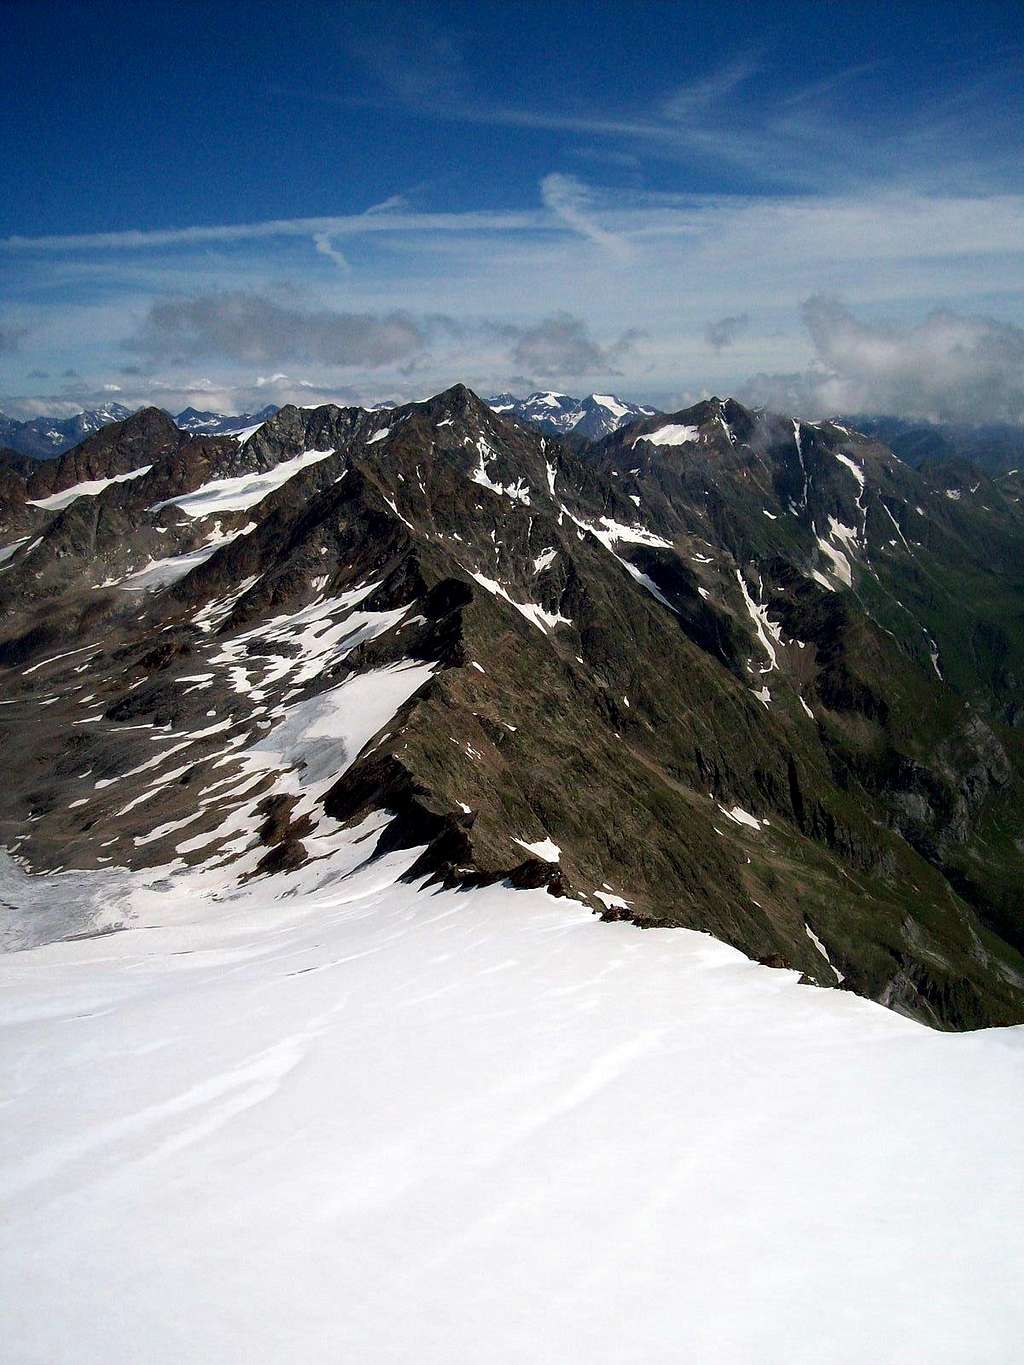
[{"x": 570, "y": 202}]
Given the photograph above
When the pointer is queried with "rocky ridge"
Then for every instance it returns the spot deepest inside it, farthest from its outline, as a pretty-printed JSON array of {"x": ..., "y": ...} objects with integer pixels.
[{"x": 720, "y": 669}]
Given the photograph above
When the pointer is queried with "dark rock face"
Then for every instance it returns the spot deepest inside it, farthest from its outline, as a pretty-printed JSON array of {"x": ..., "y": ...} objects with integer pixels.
[
  {"x": 13, "y": 462},
  {"x": 146, "y": 437},
  {"x": 717, "y": 669}
]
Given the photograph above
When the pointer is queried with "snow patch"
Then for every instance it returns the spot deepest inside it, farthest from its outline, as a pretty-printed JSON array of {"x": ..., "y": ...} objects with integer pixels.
[
  {"x": 159, "y": 573},
  {"x": 739, "y": 816},
  {"x": 544, "y": 849},
  {"x": 243, "y": 491},
  {"x": 674, "y": 434},
  {"x": 56, "y": 502},
  {"x": 824, "y": 952},
  {"x": 518, "y": 491},
  {"x": 840, "y": 564},
  {"x": 247, "y": 433},
  {"x": 610, "y": 901},
  {"x": 611, "y": 404},
  {"x": 8, "y": 551},
  {"x": 537, "y": 615},
  {"x": 765, "y": 630}
]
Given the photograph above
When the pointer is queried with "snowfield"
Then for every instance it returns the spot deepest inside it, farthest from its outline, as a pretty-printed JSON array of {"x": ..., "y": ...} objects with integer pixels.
[
  {"x": 241, "y": 491},
  {"x": 366, "y": 1122},
  {"x": 56, "y": 502}
]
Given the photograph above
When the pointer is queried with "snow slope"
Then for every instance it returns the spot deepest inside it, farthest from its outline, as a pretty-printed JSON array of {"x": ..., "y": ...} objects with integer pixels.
[
  {"x": 237, "y": 493},
  {"x": 56, "y": 502},
  {"x": 374, "y": 1124},
  {"x": 671, "y": 435}
]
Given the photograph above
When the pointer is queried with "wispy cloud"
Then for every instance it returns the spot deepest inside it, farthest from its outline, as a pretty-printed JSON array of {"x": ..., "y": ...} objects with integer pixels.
[
  {"x": 813, "y": 134},
  {"x": 324, "y": 245},
  {"x": 391, "y": 204},
  {"x": 569, "y": 200},
  {"x": 347, "y": 225},
  {"x": 695, "y": 96},
  {"x": 813, "y": 90}
]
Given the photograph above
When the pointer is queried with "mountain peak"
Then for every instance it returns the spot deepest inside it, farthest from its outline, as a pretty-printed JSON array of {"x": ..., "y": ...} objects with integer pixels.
[
  {"x": 592, "y": 417},
  {"x": 43, "y": 437},
  {"x": 429, "y": 617},
  {"x": 202, "y": 423}
]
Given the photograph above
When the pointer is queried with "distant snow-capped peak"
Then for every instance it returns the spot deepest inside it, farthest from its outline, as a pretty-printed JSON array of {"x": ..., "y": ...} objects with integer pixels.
[
  {"x": 595, "y": 416},
  {"x": 219, "y": 423},
  {"x": 49, "y": 435}
]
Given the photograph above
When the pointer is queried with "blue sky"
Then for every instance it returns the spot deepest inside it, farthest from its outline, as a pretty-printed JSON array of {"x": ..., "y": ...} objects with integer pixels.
[{"x": 819, "y": 206}]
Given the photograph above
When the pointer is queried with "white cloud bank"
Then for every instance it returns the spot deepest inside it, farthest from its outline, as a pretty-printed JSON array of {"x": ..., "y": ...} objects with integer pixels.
[
  {"x": 948, "y": 367},
  {"x": 656, "y": 296}
]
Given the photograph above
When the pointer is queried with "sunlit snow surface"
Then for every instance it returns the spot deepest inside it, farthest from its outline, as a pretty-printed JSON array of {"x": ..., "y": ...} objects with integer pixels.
[
  {"x": 674, "y": 434},
  {"x": 237, "y": 493},
  {"x": 9, "y": 551},
  {"x": 158, "y": 573},
  {"x": 370, "y": 1123},
  {"x": 56, "y": 502}
]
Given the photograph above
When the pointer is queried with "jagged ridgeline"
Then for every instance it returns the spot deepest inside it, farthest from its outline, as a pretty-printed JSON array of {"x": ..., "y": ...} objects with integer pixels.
[{"x": 719, "y": 669}]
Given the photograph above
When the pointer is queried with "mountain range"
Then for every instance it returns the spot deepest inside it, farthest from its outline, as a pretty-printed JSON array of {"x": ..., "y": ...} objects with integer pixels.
[
  {"x": 43, "y": 437},
  {"x": 219, "y": 423},
  {"x": 996, "y": 447},
  {"x": 720, "y": 669},
  {"x": 558, "y": 414},
  {"x": 591, "y": 417}
]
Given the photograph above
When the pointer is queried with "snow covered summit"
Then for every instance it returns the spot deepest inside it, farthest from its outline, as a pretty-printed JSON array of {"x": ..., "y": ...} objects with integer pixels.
[{"x": 592, "y": 417}]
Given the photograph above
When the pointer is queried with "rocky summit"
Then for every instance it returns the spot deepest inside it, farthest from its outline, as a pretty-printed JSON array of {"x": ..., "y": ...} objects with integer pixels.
[{"x": 718, "y": 668}]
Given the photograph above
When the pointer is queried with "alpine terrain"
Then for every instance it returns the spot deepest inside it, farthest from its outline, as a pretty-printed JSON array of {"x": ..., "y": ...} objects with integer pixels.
[
  {"x": 221, "y": 424},
  {"x": 332, "y": 746},
  {"x": 558, "y": 414},
  {"x": 42, "y": 437},
  {"x": 719, "y": 669},
  {"x": 527, "y": 870}
]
